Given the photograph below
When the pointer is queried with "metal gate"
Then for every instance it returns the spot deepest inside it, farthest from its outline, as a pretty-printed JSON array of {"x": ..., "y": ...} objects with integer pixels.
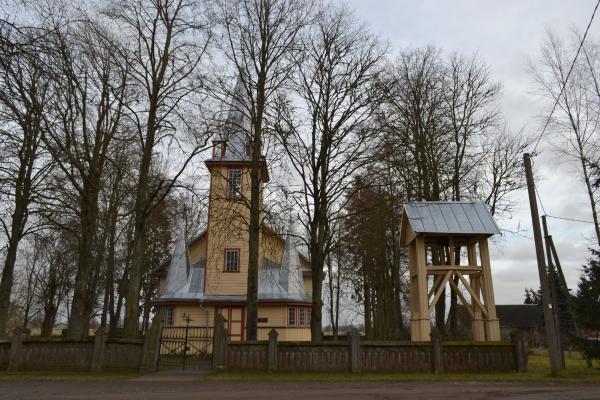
[{"x": 185, "y": 347}]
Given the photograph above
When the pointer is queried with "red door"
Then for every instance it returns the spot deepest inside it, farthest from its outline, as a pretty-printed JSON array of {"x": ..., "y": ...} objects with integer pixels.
[{"x": 234, "y": 320}]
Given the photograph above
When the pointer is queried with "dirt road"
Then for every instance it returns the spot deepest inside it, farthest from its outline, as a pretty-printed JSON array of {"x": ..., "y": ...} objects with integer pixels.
[{"x": 144, "y": 390}]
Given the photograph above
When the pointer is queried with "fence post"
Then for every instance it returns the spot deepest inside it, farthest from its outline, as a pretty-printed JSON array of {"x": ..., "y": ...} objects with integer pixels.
[
  {"x": 99, "y": 349},
  {"x": 16, "y": 348},
  {"x": 220, "y": 342},
  {"x": 272, "y": 351},
  {"x": 355, "y": 351},
  {"x": 151, "y": 348},
  {"x": 519, "y": 350},
  {"x": 437, "y": 352}
]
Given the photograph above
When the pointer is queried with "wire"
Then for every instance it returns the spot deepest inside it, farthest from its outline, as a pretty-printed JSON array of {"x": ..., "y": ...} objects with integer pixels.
[
  {"x": 570, "y": 219},
  {"x": 539, "y": 198},
  {"x": 566, "y": 79}
]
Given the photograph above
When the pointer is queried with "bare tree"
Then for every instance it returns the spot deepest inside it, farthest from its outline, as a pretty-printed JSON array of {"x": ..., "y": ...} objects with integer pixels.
[
  {"x": 439, "y": 129},
  {"x": 260, "y": 39},
  {"x": 336, "y": 83},
  {"x": 500, "y": 172},
  {"x": 471, "y": 103},
  {"x": 90, "y": 87},
  {"x": 23, "y": 165},
  {"x": 169, "y": 40},
  {"x": 578, "y": 108}
]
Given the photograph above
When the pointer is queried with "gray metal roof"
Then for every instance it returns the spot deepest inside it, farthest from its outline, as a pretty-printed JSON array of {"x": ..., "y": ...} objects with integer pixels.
[
  {"x": 236, "y": 127},
  {"x": 277, "y": 281},
  {"x": 457, "y": 217}
]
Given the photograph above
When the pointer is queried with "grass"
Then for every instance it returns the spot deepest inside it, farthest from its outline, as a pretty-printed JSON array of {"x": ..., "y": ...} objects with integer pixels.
[
  {"x": 6, "y": 376},
  {"x": 538, "y": 371},
  {"x": 576, "y": 371}
]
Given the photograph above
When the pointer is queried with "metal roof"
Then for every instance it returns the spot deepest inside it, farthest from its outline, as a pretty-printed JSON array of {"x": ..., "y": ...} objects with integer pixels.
[
  {"x": 277, "y": 281},
  {"x": 456, "y": 217}
]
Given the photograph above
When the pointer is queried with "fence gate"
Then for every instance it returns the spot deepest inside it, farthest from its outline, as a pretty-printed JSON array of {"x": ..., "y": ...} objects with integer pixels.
[{"x": 186, "y": 347}]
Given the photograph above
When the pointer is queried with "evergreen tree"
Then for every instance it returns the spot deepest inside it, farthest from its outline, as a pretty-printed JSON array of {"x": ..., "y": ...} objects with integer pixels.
[{"x": 587, "y": 301}]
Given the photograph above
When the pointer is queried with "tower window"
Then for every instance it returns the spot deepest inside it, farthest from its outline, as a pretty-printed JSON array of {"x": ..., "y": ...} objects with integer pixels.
[
  {"x": 232, "y": 260},
  {"x": 234, "y": 183}
]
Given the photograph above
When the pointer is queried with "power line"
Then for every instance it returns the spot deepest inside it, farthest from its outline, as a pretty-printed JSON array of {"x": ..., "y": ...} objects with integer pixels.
[
  {"x": 539, "y": 199},
  {"x": 569, "y": 219},
  {"x": 566, "y": 79}
]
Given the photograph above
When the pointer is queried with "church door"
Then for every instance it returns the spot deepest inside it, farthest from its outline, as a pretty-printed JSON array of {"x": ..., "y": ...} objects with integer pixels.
[{"x": 234, "y": 320}]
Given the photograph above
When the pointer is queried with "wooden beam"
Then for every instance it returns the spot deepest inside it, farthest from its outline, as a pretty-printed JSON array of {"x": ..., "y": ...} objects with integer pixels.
[
  {"x": 440, "y": 290},
  {"x": 461, "y": 267},
  {"x": 462, "y": 298},
  {"x": 472, "y": 293},
  {"x": 436, "y": 282},
  {"x": 488, "y": 293},
  {"x": 451, "y": 250}
]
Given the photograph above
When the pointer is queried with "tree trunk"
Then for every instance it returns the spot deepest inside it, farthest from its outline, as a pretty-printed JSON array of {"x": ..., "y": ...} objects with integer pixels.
[
  {"x": 331, "y": 290},
  {"x": 17, "y": 228},
  {"x": 132, "y": 297},
  {"x": 440, "y": 307},
  {"x": 367, "y": 303},
  {"x": 50, "y": 306},
  {"x": 337, "y": 301},
  {"x": 590, "y": 192},
  {"x": 78, "y": 327},
  {"x": 316, "y": 316},
  {"x": 7, "y": 283}
]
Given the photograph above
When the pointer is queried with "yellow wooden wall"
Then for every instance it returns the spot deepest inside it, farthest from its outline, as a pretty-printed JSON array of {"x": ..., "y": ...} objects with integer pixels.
[
  {"x": 227, "y": 229},
  {"x": 277, "y": 318},
  {"x": 200, "y": 316}
]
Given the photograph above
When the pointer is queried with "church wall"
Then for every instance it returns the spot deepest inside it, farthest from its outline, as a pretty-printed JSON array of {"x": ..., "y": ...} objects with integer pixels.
[
  {"x": 228, "y": 229},
  {"x": 276, "y": 316}
]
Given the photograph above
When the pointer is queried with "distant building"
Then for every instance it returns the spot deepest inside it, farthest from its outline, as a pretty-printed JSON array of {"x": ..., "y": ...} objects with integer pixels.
[{"x": 527, "y": 318}]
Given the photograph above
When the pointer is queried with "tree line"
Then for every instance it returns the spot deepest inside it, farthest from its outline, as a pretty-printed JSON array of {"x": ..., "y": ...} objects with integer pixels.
[{"x": 106, "y": 111}]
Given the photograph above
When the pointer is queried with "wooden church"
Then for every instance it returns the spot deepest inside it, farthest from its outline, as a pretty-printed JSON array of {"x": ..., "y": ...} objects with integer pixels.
[{"x": 207, "y": 276}]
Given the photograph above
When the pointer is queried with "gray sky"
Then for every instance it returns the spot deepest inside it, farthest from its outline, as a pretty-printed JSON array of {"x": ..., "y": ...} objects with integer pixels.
[{"x": 506, "y": 34}]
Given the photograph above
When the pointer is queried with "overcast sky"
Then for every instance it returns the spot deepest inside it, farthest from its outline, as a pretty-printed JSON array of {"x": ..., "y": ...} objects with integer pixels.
[{"x": 505, "y": 34}]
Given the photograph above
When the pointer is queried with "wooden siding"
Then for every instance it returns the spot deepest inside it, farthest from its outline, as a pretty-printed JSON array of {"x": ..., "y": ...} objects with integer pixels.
[{"x": 276, "y": 318}]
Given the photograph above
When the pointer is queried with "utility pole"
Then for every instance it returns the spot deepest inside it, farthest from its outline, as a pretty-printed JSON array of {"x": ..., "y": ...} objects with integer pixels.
[
  {"x": 551, "y": 341},
  {"x": 565, "y": 289},
  {"x": 554, "y": 294}
]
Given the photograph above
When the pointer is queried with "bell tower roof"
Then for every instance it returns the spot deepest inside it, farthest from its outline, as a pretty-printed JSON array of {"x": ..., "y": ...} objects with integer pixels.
[
  {"x": 233, "y": 147},
  {"x": 233, "y": 140}
]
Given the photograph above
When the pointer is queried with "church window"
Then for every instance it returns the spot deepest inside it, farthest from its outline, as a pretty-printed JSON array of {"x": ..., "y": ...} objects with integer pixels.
[
  {"x": 234, "y": 183},
  {"x": 291, "y": 316},
  {"x": 169, "y": 316},
  {"x": 232, "y": 260}
]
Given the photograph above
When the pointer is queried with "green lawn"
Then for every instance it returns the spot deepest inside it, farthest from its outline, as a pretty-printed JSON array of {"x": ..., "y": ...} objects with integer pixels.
[
  {"x": 64, "y": 376},
  {"x": 538, "y": 371}
]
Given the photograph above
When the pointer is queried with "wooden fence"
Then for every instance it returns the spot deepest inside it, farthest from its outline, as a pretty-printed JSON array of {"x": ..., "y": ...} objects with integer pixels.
[
  {"x": 355, "y": 355},
  {"x": 96, "y": 354}
]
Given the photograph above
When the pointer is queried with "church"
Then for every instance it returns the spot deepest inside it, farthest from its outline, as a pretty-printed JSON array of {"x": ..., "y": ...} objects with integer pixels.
[{"x": 207, "y": 275}]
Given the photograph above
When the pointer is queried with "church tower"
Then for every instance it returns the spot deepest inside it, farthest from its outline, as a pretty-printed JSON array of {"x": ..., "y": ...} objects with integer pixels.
[{"x": 229, "y": 203}]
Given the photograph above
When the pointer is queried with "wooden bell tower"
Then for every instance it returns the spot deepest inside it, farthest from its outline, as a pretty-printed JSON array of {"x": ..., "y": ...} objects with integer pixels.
[{"x": 447, "y": 240}]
